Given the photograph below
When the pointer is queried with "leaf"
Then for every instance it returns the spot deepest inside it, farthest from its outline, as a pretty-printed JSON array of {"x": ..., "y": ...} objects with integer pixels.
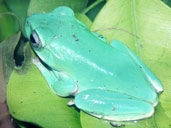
[
  {"x": 94, "y": 123},
  {"x": 37, "y": 6},
  {"x": 145, "y": 27},
  {"x": 8, "y": 23},
  {"x": 161, "y": 118},
  {"x": 7, "y": 63},
  {"x": 83, "y": 18},
  {"x": 168, "y": 2},
  {"x": 19, "y": 7},
  {"x": 94, "y": 11},
  {"x": 31, "y": 100}
]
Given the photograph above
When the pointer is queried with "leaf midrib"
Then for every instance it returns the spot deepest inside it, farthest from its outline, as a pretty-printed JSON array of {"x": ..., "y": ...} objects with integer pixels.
[{"x": 135, "y": 27}]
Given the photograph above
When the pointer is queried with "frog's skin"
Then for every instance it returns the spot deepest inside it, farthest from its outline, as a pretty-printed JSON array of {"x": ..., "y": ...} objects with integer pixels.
[{"x": 108, "y": 80}]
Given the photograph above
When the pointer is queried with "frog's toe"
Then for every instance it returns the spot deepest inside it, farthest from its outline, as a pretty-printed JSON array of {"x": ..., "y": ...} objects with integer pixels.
[{"x": 112, "y": 105}]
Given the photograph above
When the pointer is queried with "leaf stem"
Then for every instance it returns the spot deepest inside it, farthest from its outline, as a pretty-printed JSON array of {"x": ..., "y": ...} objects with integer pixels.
[{"x": 92, "y": 6}]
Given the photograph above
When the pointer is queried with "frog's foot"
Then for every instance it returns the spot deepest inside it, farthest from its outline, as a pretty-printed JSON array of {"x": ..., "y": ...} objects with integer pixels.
[
  {"x": 155, "y": 82},
  {"x": 59, "y": 82},
  {"x": 112, "y": 105}
]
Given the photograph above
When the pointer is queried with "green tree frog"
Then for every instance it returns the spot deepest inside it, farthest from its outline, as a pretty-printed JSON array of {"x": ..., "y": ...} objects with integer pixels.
[{"x": 107, "y": 80}]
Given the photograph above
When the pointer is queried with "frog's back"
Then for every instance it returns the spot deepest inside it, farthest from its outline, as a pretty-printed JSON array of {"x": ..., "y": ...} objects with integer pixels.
[
  {"x": 90, "y": 61},
  {"x": 95, "y": 64}
]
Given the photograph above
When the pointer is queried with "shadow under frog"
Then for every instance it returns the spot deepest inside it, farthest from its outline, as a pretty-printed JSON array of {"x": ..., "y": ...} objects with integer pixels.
[{"x": 108, "y": 80}]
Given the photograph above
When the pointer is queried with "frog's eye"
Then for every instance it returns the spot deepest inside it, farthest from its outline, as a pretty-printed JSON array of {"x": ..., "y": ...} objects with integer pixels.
[{"x": 35, "y": 40}]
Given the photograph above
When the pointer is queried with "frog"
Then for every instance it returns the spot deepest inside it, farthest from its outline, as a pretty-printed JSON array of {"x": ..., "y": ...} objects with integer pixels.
[{"x": 106, "y": 80}]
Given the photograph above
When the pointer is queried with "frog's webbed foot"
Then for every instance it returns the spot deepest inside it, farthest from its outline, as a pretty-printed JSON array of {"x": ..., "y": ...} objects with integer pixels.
[
  {"x": 59, "y": 82},
  {"x": 155, "y": 82},
  {"x": 112, "y": 105}
]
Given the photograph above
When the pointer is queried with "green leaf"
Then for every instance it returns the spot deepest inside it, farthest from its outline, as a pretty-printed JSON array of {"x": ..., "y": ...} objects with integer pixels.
[
  {"x": 168, "y": 2},
  {"x": 94, "y": 11},
  {"x": 94, "y": 123},
  {"x": 7, "y": 63},
  {"x": 145, "y": 27},
  {"x": 31, "y": 100},
  {"x": 37, "y": 6},
  {"x": 8, "y": 22},
  {"x": 161, "y": 118},
  {"x": 19, "y": 7},
  {"x": 83, "y": 18}
]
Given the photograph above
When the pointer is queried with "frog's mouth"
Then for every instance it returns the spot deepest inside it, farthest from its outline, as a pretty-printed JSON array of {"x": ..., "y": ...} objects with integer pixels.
[{"x": 45, "y": 65}]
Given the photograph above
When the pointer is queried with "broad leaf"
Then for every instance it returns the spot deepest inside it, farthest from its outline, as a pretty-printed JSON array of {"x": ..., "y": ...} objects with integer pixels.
[
  {"x": 31, "y": 100},
  {"x": 8, "y": 22},
  {"x": 168, "y": 2},
  {"x": 83, "y": 18},
  {"x": 37, "y": 6},
  {"x": 7, "y": 63},
  {"x": 19, "y": 7},
  {"x": 94, "y": 11}
]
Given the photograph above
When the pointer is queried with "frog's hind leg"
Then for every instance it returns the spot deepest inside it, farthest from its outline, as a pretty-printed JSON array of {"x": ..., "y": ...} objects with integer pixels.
[
  {"x": 149, "y": 74},
  {"x": 112, "y": 105},
  {"x": 59, "y": 82}
]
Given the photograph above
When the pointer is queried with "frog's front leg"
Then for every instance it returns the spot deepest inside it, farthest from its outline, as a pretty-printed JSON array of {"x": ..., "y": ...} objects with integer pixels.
[
  {"x": 155, "y": 82},
  {"x": 59, "y": 82},
  {"x": 112, "y": 105}
]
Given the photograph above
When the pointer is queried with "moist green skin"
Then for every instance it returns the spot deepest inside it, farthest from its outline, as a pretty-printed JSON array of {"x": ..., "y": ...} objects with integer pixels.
[{"x": 108, "y": 80}]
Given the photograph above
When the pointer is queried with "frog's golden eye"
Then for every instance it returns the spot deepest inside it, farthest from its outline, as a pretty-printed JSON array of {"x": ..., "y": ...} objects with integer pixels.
[{"x": 35, "y": 40}]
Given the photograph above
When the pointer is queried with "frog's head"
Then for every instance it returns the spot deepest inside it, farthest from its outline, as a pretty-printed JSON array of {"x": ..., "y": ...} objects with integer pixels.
[{"x": 42, "y": 29}]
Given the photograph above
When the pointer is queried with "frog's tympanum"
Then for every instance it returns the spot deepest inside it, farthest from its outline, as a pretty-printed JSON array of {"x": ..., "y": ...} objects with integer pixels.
[{"x": 108, "y": 80}]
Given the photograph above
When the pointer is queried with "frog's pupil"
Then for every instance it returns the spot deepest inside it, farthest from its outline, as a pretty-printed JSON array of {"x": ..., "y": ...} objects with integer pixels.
[{"x": 32, "y": 39}]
